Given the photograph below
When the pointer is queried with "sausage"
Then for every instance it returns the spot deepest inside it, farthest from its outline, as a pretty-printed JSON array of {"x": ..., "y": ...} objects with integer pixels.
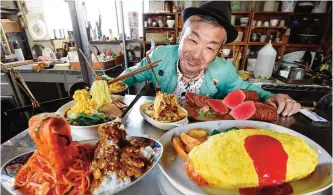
[
  {"x": 264, "y": 112},
  {"x": 251, "y": 95}
]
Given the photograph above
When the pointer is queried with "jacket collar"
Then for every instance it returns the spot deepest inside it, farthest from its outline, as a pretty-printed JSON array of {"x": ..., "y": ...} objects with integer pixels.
[{"x": 208, "y": 87}]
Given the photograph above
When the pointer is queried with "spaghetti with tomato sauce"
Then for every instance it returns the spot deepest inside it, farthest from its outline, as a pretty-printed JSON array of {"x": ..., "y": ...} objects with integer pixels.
[{"x": 59, "y": 165}]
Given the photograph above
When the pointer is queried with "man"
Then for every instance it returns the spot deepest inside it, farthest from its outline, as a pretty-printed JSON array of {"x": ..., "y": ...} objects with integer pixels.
[{"x": 193, "y": 66}]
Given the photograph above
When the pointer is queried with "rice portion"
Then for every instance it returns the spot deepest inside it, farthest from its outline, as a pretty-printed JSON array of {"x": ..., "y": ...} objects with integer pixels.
[{"x": 110, "y": 184}]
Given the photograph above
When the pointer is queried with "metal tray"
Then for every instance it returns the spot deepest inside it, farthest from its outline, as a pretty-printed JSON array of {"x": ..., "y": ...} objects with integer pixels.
[{"x": 292, "y": 81}]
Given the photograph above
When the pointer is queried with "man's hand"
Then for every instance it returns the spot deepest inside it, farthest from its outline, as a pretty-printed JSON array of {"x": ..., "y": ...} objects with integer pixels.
[{"x": 284, "y": 104}]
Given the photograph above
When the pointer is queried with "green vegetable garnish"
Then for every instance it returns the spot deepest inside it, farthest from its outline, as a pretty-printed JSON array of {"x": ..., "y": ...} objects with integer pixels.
[
  {"x": 231, "y": 129},
  {"x": 86, "y": 120},
  {"x": 201, "y": 114},
  {"x": 215, "y": 132},
  {"x": 208, "y": 114}
]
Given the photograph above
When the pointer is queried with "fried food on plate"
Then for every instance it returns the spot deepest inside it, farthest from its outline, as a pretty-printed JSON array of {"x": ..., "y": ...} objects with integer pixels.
[
  {"x": 188, "y": 140},
  {"x": 197, "y": 133},
  {"x": 184, "y": 143},
  {"x": 178, "y": 146}
]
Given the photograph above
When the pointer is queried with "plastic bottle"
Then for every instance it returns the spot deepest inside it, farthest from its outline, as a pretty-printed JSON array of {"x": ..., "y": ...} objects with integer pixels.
[
  {"x": 18, "y": 51},
  {"x": 265, "y": 62}
]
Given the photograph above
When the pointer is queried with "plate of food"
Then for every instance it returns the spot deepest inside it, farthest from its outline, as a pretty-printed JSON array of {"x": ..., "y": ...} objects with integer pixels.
[
  {"x": 62, "y": 166},
  {"x": 243, "y": 157},
  {"x": 117, "y": 88},
  {"x": 165, "y": 112},
  {"x": 90, "y": 109},
  {"x": 237, "y": 105}
]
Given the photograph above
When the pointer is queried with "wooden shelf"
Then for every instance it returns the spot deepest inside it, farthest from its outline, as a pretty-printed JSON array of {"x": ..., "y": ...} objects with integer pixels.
[
  {"x": 161, "y": 14},
  {"x": 236, "y": 43},
  {"x": 240, "y": 12},
  {"x": 302, "y": 45},
  {"x": 106, "y": 42},
  {"x": 269, "y": 27},
  {"x": 163, "y": 28},
  {"x": 133, "y": 40},
  {"x": 157, "y": 43},
  {"x": 9, "y": 11},
  {"x": 272, "y": 12},
  {"x": 265, "y": 43},
  {"x": 240, "y": 26}
]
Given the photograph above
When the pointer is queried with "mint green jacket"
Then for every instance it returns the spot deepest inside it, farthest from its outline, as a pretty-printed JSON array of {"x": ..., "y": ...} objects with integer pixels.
[{"x": 221, "y": 70}]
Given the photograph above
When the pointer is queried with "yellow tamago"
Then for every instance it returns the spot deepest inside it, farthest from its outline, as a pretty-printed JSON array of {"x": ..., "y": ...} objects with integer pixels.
[{"x": 224, "y": 162}]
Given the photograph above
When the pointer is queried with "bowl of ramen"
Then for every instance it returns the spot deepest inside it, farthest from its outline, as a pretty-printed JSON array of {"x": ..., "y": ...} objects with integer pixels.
[{"x": 90, "y": 109}]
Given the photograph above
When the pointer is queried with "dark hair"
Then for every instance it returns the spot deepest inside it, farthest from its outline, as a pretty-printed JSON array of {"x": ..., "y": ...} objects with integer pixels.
[{"x": 202, "y": 18}]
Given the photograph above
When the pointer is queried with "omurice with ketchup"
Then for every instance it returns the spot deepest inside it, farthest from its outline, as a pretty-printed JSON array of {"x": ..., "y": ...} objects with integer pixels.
[{"x": 255, "y": 161}]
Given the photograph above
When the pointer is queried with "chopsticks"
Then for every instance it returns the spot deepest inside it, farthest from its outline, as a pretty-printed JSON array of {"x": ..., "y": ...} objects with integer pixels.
[
  {"x": 142, "y": 69},
  {"x": 92, "y": 50},
  {"x": 89, "y": 64},
  {"x": 124, "y": 76},
  {"x": 158, "y": 88}
]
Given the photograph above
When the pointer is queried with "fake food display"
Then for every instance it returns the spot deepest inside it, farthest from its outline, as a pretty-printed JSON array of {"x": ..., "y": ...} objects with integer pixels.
[
  {"x": 94, "y": 107},
  {"x": 165, "y": 108},
  {"x": 251, "y": 160},
  {"x": 120, "y": 160},
  {"x": 61, "y": 166},
  {"x": 238, "y": 105}
]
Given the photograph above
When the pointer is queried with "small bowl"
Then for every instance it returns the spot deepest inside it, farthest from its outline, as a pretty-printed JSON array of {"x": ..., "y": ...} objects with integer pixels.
[
  {"x": 274, "y": 22},
  {"x": 123, "y": 92},
  {"x": 170, "y": 23},
  {"x": 226, "y": 52},
  {"x": 163, "y": 125},
  {"x": 244, "y": 21}
]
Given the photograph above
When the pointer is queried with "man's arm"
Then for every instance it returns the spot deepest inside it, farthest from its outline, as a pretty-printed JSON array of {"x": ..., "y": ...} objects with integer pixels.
[
  {"x": 140, "y": 77},
  {"x": 236, "y": 82}
]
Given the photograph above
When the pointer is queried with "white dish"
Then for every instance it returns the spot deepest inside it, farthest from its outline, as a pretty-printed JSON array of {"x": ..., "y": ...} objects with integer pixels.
[
  {"x": 174, "y": 170},
  {"x": 163, "y": 125},
  {"x": 274, "y": 22},
  {"x": 9, "y": 170},
  {"x": 83, "y": 132},
  {"x": 226, "y": 51}
]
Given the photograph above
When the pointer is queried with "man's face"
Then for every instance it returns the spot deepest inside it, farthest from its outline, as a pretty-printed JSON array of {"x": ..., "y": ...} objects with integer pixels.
[{"x": 199, "y": 46}]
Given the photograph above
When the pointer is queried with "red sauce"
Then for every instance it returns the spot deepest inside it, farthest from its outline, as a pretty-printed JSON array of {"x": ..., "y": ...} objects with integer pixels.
[
  {"x": 270, "y": 161},
  {"x": 283, "y": 189}
]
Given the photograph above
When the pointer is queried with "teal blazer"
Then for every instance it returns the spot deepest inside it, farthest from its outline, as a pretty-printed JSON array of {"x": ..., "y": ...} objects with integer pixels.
[{"x": 219, "y": 70}]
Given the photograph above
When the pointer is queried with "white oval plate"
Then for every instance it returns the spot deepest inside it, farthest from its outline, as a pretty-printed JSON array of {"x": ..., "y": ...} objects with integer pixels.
[
  {"x": 320, "y": 180},
  {"x": 163, "y": 125},
  {"x": 10, "y": 169}
]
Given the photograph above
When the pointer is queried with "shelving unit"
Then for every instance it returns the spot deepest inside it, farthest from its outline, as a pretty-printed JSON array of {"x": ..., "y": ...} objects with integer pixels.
[
  {"x": 283, "y": 46},
  {"x": 138, "y": 52},
  {"x": 169, "y": 32},
  {"x": 106, "y": 42}
]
